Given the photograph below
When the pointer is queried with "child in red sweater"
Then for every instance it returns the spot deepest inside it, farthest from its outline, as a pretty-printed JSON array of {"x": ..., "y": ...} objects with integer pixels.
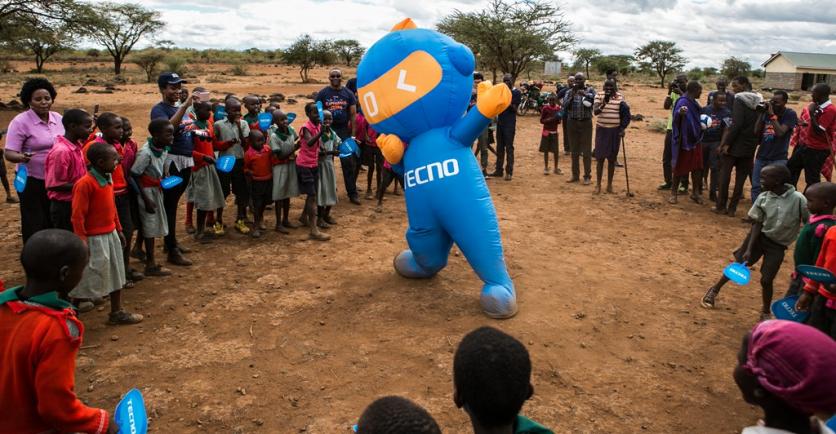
[
  {"x": 205, "y": 190},
  {"x": 39, "y": 340},
  {"x": 549, "y": 141},
  {"x": 258, "y": 168},
  {"x": 96, "y": 221},
  {"x": 820, "y": 299}
]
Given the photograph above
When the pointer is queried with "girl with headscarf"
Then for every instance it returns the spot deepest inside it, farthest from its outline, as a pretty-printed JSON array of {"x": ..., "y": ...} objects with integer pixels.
[{"x": 786, "y": 368}]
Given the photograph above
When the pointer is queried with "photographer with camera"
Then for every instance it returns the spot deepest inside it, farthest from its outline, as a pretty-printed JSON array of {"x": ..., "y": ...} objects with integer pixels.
[
  {"x": 675, "y": 90},
  {"x": 774, "y": 127},
  {"x": 577, "y": 106},
  {"x": 818, "y": 126}
]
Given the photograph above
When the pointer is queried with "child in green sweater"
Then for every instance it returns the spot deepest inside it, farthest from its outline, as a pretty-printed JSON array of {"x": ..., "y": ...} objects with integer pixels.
[
  {"x": 492, "y": 381},
  {"x": 821, "y": 199}
]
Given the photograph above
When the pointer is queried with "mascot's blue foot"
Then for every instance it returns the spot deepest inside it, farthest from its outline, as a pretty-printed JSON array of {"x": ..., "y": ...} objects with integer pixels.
[
  {"x": 406, "y": 266},
  {"x": 498, "y": 302}
]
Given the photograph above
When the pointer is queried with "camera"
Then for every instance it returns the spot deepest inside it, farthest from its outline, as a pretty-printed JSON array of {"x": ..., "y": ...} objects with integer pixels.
[{"x": 762, "y": 106}]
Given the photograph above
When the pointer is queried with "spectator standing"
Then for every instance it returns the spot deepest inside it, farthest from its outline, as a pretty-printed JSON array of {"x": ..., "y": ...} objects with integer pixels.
[
  {"x": 675, "y": 90},
  {"x": 774, "y": 126},
  {"x": 577, "y": 106},
  {"x": 561, "y": 94},
  {"x": 814, "y": 141},
  {"x": 342, "y": 103},
  {"x": 506, "y": 129}
]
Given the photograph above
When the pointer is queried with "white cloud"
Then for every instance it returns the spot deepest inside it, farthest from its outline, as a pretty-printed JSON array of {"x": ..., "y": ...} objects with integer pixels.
[{"x": 707, "y": 30}]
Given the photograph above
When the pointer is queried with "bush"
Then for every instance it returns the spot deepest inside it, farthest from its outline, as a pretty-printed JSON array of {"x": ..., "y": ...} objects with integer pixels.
[
  {"x": 659, "y": 126},
  {"x": 92, "y": 52},
  {"x": 238, "y": 69},
  {"x": 696, "y": 74},
  {"x": 176, "y": 65},
  {"x": 5, "y": 67}
]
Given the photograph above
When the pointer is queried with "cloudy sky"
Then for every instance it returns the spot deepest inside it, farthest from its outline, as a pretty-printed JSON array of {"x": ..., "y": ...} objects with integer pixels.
[{"x": 707, "y": 30}]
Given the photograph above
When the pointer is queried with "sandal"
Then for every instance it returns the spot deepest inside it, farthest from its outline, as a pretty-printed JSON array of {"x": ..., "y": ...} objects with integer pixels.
[
  {"x": 123, "y": 318},
  {"x": 135, "y": 275},
  {"x": 157, "y": 271},
  {"x": 708, "y": 299},
  {"x": 128, "y": 284}
]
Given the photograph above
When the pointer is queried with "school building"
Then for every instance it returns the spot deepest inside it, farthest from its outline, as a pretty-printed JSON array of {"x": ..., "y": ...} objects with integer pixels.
[{"x": 793, "y": 71}]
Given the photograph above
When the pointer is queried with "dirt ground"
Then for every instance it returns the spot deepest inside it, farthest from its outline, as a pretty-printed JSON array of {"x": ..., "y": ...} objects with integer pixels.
[{"x": 284, "y": 335}]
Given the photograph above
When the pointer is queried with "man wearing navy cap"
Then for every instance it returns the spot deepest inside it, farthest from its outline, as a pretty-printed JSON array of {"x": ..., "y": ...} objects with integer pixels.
[{"x": 179, "y": 161}]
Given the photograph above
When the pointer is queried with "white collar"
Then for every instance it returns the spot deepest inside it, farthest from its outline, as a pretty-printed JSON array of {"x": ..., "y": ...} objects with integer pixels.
[{"x": 825, "y": 104}]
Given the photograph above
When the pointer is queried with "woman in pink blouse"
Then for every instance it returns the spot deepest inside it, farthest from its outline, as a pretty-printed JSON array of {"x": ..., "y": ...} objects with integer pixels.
[{"x": 30, "y": 137}]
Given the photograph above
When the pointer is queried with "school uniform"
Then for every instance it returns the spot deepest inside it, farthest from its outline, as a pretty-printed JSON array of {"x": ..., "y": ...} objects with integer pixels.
[
  {"x": 149, "y": 167},
  {"x": 807, "y": 247},
  {"x": 326, "y": 186},
  {"x": 233, "y": 181},
  {"x": 95, "y": 221},
  {"x": 524, "y": 425},
  {"x": 205, "y": 189},
  {"x": 285, "y": 182},
  {"x": 258, "y": 167},
  {"x": 39, "y": 341},
  {"x": 64, "y": 164},
  {"x": 120, "y": 182},
  {"x": 307, "y": 161},
  {"x": 823, "y": 308},
  {"x": 781, "y": 217}
]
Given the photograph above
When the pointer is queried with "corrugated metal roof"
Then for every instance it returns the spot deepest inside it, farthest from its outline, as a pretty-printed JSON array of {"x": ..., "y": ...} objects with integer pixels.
[{"x": 807, "y": 60}]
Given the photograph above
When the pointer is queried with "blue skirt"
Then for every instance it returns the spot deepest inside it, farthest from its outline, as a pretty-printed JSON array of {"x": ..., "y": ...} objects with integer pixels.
[{"x": 607, "y": 143}]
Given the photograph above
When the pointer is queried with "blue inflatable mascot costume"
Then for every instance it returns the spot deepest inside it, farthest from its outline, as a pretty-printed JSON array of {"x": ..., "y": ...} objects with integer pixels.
[{"x": 414, "y": 86}]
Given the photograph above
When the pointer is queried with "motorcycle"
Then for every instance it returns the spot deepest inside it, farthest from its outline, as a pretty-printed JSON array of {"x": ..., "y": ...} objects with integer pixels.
[{"x": 532, "y": 99}]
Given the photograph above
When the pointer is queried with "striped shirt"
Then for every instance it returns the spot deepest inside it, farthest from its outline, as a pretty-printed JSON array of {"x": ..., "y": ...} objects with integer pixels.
[{"x": 610, "y": 114}]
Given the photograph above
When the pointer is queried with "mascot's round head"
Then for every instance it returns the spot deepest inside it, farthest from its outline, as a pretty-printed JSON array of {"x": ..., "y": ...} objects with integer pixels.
[{"x": 414, "y": 80}]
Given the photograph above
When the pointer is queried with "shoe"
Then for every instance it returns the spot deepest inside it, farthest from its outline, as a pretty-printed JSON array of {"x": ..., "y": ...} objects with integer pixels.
[
  {"x": 157, "y": 271},
  {"x": 708, "y": 299},
  {"x": 617, "y": 164},
  {"x": 683, "y": 189},
  {"x": 177, "y": 258},
  {"x": 203, "y": 237},
  {"x": 281, "y": 229},
  {"x": 85, "y": 306},
  {"x": 12, "y": 199},
  {"x": 183, "y": 249},
  {"x": 330, "y": 220},
  {"x": 319, "y": 236},
  {"x": 256, "y": 233},
  {"x": 190, "y": 229},
  {"x": 507, "y": 176},
  {"x": 321, "y": 224},
  {"x": 290, "y": 225},
  {"x": 558, "y": 171},
  {"x": 135, "y": 275},
  {"x": 218, "y": 229},
  {"x": 572, "y": 180},
  {"x": 369, "y": 195},
  {"x": 241, "y": 227},
  {"x": 587, "y": 181},
  {"x": 721, "y": 211},
  {"x": 123, "y": 318},
  {"x": 665, "y": 186},
  {"x": 354, "y": 200},
  {"x": 378, "y": 208},
  {"x": 496, "y": 174},
  {"x": 546, "y": 171}
]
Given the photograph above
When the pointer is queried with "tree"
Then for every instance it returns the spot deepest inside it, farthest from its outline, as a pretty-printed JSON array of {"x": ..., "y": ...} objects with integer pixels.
[
  {"x": 585, "y": 56},
  {"x": 43, "y": 43},
  {"x": 508, "y": 35},
  {"x": 620, "y": 62},
  {"x": 119, "y": 26},
  {"x": 306, "y": 53},
  {"x": 734, "y": 67},
  {"x": 662, "y": 57},
  {"x": 709, "y": 71},
  {"x": 148, "y": 60},
  {"x": 348, "y": 50}
]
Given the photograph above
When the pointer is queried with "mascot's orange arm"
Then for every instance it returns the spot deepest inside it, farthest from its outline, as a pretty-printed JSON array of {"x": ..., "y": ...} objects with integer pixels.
[
  {"x": 392, "y": 147},
  {"x": 491, "y": 101}
]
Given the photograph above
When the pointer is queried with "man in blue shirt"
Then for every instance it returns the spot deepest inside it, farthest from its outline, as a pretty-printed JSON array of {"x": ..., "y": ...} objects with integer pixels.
[
  {"x": 179, "y": 161},
  {"x": 577, "y": 106},
  {"x": 775, "y": 124},
  {"x": 342, "y": 103},
  {"x": 506, "y": 128}
]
